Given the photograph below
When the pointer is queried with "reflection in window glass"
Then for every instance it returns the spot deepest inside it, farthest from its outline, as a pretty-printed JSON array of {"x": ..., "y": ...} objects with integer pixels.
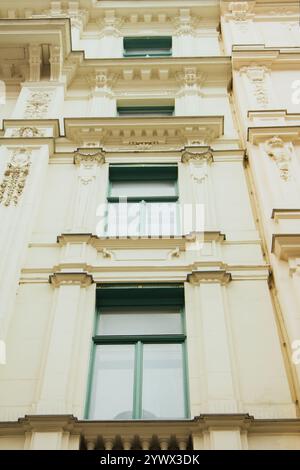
[
  {"x": 163, "y": 393},
  {"x": 112, "y": 386}
]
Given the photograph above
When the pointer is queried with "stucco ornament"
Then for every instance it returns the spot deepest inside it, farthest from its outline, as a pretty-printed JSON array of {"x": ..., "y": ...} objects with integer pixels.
[
  {"x": 198, "y": 164},
  {"x": 88, "y": 162},
  {"x": 15, "y": 175},
  {"x": 257, "y": 75},
  {"x": 239, "y": 10},
  {"x": 38, "y": 104},
  {"x": 281, "y": 154},
  {"x": 27, "y": 132}
]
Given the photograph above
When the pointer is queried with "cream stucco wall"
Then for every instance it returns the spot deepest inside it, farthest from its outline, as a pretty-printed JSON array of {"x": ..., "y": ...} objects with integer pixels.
[{"x": 241, "y": 288}]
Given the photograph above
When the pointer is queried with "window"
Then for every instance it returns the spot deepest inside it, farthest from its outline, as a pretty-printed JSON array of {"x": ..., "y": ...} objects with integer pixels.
[
  {"x": 147, "y": 46},
  {"x": 145, "y": 110},
  {"x": 139, "y": 359},
  {"x": 142, "y": 201}
]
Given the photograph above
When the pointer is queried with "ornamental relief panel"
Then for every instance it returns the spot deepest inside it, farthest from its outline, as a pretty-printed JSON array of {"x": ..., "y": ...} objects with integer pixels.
[
  {"x": 257, "y": 76},
  {"x": 27, "y": 132},
  {"x": 281, "y": 153},
  {"x": 87, "y": 164},
  {"x": 37, "y": 104},
  {"x": 198, "y": 164},
  {"x": 15, "y": 175}
]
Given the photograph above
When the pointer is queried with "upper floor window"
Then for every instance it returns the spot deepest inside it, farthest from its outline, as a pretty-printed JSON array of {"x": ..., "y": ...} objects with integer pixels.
[
  {"x": 145, "y": 110},
  {"x": 148, "y": 46},
  {"x": 142, "y": 201},
  {"x": 139, "y": 360}
]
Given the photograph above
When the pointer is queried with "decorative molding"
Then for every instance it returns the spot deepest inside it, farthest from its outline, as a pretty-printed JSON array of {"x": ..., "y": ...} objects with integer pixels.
[
  {"x": 257, "y": 76},
  {"x": 110, "y": 24},
  {"x": 88, "y": 158},
  {"x": 198, "y": 162},
  {"x": 198, "y": 277},
  {"x": 286, "y": 246},
  {"x": 291, "y": 214},
  {"x": 168, "y": 131},
  {"x": 101, "y": 79},
  {"x": 35, "y": 62},
  {"x": 56, "y": 62},
  {"x": 37, "y": 104},
  {"x": 15, "y": 176},
  {"x": 239, "y": 11},
  {"x": 280, "y": 152},
  {"x": 191, "y": 153},
  {"x": 185, "y": 24},
  {"x": 190, "y": 80},
  {"x": 82, "y": 279},
  {"x": 27, "y": 132},
  {"x": 78, "y": 17}
]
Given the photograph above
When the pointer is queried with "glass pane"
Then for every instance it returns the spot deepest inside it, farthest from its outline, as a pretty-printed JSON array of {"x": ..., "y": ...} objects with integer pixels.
[
  {"x": 143, "y": 188},
  {"x": 113, "y": 371},
  {"x": 163, "y": 389},
  {"x": 124, "y": 220},
  {"x": 161, "y": 219},
  {"x": 138, "y": 219},
  {"x": 139, "y": 321}
]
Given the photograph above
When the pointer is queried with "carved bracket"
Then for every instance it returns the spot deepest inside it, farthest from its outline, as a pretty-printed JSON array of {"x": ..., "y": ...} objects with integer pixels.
[{"x": 15, "y": 176}]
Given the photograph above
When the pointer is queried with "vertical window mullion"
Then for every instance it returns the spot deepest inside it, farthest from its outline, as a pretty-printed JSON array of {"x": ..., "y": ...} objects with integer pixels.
[
  {"x": 138, "y": 380},
  {"x": 185, "y": 380}
]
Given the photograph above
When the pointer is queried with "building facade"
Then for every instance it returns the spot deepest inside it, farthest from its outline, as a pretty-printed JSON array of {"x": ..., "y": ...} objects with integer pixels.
[{"x": 176, "y": 326}]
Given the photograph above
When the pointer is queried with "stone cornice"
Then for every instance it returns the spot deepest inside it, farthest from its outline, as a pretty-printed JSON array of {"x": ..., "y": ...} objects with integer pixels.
[
  {"x": 275, "y": 58},
  {"x": 200, "y": 423},
  {"x": 157, "y": 131},
  {"x": 216, "y": 69},
  {"x": 82, "y": 279},
  {"x": 220, "y": 276},
  {"x": 291, "y": 214},
  {"x": 257, "y": 135},
  {"x": 286, "y": 246},
  {"x": 101, "y": 243},
  {"x": 30, "y": 128}
]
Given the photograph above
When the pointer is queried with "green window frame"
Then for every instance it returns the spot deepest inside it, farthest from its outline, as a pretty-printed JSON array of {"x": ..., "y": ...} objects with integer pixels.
[
  {"x": 134, "y": 296},
  {"x": 145, "y": 111},
  {"x": 147, "y": 46},
  {"x": 143, "y": 172},
  {"x": 146, "y": 172}
]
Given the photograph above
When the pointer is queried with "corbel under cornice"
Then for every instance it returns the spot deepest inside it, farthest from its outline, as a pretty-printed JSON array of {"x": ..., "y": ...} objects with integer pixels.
[
  {"x": 291, "y": 214},
  {"x": 286, "y": 246},
  {"x": 87, "y": 155},
  {"x": 82, "y": 279},
  {"x": 220, "y": 276},
  {"x": 197, "y": 153}
]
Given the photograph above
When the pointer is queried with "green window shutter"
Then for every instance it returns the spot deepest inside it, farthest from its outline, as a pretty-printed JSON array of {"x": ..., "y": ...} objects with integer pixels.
[
  {"x": 129, "y": 295},
  {"x": 145, "y": 110},
  {"x": 147, "y": 46},
  {"x": 143, "y": 172}
]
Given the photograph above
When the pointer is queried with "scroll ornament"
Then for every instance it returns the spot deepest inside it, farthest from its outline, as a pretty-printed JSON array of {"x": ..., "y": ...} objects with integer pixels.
[
  {"x": 15, "y": 175},
  {"x": 278, "y": 151}
]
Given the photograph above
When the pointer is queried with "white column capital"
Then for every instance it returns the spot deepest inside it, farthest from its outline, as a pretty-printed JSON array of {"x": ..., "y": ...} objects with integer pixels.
[
  {"x": 190, "y": 79},
  {"x": 89, "y": 158},
  {"x": 81, "y": 279},
  {"x": 211, "y": 276},
  {"x": 110, "y": 24},
  {"x": 185, "y": 23}
]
